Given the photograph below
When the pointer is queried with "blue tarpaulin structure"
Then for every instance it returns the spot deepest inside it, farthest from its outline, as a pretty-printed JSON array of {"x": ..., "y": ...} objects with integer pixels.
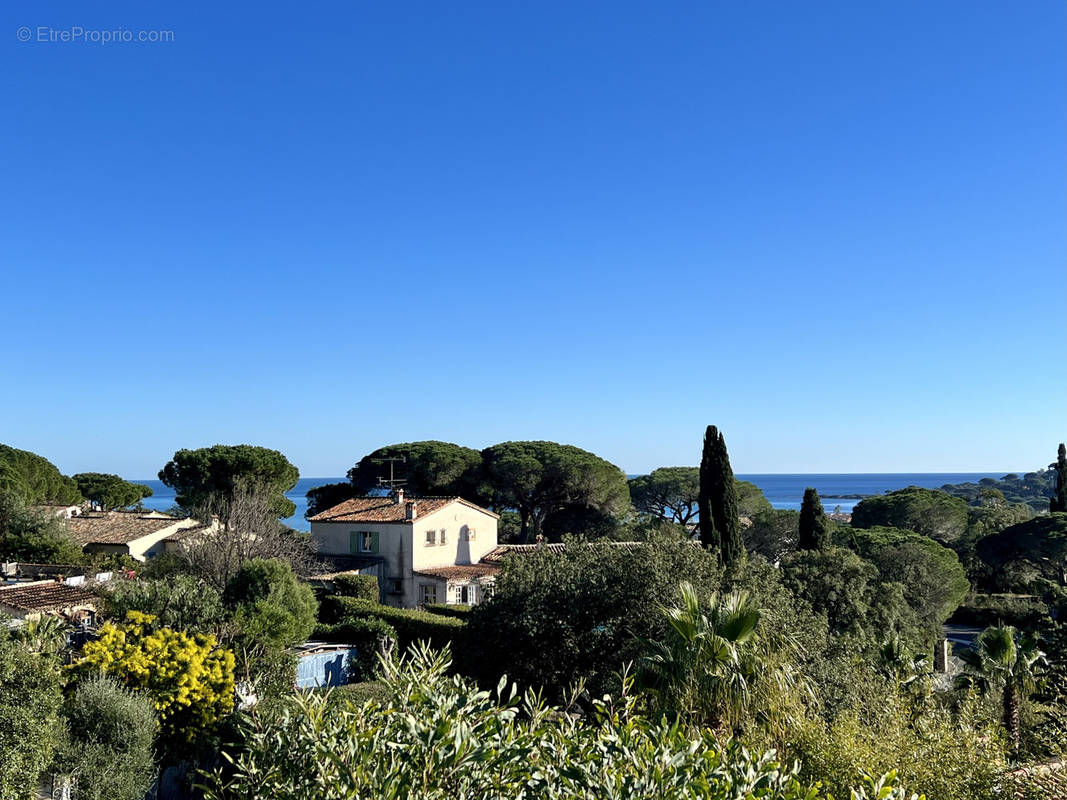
[{"x": 324, "y": 665}]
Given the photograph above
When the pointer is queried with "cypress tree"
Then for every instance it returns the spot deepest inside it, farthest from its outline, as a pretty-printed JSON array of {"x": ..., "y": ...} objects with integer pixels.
[
  {"x": 1059, "y": 500},
  {"x": 719, "y": 519},
  {"x": 814, "y": 526}
]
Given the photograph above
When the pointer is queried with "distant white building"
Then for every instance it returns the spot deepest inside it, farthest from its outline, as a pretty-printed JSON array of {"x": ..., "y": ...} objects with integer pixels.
[
  {"x": 428, "y": 549},
  {"x": 141, "y": 535}
]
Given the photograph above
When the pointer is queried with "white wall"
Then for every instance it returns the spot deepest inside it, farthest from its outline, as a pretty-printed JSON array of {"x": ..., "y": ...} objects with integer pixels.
[{"x": 404, "y": 549}]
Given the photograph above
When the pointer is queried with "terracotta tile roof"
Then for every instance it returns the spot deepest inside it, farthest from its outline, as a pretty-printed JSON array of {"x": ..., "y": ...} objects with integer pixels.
[
  {"x": 460, "y": 572},
  {"x": 386, "y": 509},
  {"x": 185, "y": 533},
  {"x": 44, "y": 596},
  {"x": 116, "y": 527}
]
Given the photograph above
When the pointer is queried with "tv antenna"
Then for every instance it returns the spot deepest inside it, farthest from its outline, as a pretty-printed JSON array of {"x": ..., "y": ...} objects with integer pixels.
[{"x": 391, "y": 483}]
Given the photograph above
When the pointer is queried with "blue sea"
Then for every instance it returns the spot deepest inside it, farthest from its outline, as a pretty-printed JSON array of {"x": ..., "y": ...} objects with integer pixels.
[{"x": 783, "y": 491}]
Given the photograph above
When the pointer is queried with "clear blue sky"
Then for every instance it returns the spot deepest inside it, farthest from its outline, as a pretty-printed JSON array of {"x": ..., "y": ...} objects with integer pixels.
[{"x": 834, "y": 229}]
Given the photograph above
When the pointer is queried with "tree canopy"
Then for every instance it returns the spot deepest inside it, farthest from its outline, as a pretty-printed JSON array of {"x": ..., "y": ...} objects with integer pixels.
[
  {"x": 539, "y": 478},
  {"x": 30, "y": 727},
  {"x": 1040, "y": 543},
  {"x": 34, "y": 536},
  {"x": 428, "y": 468},
  {"x": 667, "y": 492},
  {"x": 673, "y": 493},
  {"x": 110, "y": 491},
  {"x": 558, "y": 616},
  {"x": 270, "y": 604},
  {"x": 720, "y": 524},
  {"x": 34, "y": 478},
  {"x": 814, "y": 526},
  {"x": 197, "y": 476},
  {"x": 927, "y": 511},
  {"x": 327, "y": 496},
  {"x": 931, "y": 573}
]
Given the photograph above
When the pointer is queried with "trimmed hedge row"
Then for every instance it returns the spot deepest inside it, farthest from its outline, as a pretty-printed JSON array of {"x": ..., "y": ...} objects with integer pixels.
[
  {"x": 353, "y": 584},
  {"x": 366, "y": 635},
  {"x": 991, "y": 609},
  {"x": 411, "y": 626},
  {"x": 457, "y": 610}
]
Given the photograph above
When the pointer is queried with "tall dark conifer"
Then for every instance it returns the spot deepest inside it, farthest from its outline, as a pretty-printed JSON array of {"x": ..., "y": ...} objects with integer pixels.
[
  {"x": 719, "y": 520},
  {"x": 814, "y": 526},
  {"x": 1059, "y": 500}
]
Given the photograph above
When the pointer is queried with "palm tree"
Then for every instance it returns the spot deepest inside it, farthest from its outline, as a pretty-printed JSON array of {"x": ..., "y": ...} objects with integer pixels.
[
  {"x": 1004, "y": 659},
  {"x": 910, "y": 670},
  {"x": 712, "y": 661}
]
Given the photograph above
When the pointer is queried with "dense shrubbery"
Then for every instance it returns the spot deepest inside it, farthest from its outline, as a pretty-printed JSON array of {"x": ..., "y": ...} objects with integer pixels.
[
  {"x": 555, "y": 618},
  {"x": 352, "y": 584},
  {"x": 440, "y": 737},
  {"x": 457, "y": 610},
  {"x": 411, "y": 626},
  {"x": 369, "y": 635}
]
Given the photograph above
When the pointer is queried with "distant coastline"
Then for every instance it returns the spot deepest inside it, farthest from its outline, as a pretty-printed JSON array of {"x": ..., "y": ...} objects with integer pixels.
[{"x": 841, "y": 491}]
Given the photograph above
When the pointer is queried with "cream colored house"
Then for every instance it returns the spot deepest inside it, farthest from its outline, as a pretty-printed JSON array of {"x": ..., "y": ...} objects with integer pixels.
[
  {"x": 429, "y": 547},
  {"x": 132, "y": 533}
]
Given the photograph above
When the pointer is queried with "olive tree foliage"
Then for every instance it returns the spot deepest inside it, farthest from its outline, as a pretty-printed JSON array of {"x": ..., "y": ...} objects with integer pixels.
[
  {"x": 541, "y": 478},
  {"x": 438, "y": 737},
  {"x": 245, "y": 526},
  {"x": 932, "y": 513},
  {"x": 181, "y": 602},
  {"x": 582, "y": 613},
  {"x": 34, "y": 479},
  {"x": 34, "y": 536},
  {"x": 427, "y": 468},
  {"x": 108, "y": 750},
  {"x": 200, "y": 476},
  {"x": 110, "y": 491},
  {"x": 30, "y": 725}
]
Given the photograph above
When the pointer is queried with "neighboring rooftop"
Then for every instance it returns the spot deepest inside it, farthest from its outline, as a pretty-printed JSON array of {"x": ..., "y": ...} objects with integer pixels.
[
  {"x": 44, "y": 596},
  {"x": 116, "y": 527},
  {"x": 388, "y": 509},
  {"x": 460, "y": 571}
]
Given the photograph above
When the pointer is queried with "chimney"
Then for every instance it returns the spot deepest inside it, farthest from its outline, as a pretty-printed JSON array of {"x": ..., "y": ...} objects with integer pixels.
[
  {"x": 410, "y": 512},
  {"x": 400, "y": 497}
]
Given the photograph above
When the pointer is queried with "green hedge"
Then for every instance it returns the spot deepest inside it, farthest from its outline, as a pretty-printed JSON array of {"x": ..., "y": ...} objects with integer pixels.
[
  {"x": 411, "y": 626},
  {"x": 1022, "y": 611},
  {"x": 365, "y": 634},
  {"x": 352, "y": 584},
  {"x": 458, "y": 610}
]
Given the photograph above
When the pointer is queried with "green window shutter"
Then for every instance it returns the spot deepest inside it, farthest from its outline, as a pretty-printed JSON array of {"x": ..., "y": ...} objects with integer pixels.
[
  {"x": 374, "y": 542},
  {"x": 353, "y": 542}
]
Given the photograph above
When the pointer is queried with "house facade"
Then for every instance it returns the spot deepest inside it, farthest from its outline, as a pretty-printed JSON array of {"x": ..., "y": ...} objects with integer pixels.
[{"x": 428, "y": 548}]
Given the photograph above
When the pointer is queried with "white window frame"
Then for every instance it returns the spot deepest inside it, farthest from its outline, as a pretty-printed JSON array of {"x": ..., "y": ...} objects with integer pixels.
[
  {"x": 443, "y": 536},
  {"x": 366, "y": 541},
  {"x": 427, "y": 593},
  {"x": 431, "y": 538}
]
